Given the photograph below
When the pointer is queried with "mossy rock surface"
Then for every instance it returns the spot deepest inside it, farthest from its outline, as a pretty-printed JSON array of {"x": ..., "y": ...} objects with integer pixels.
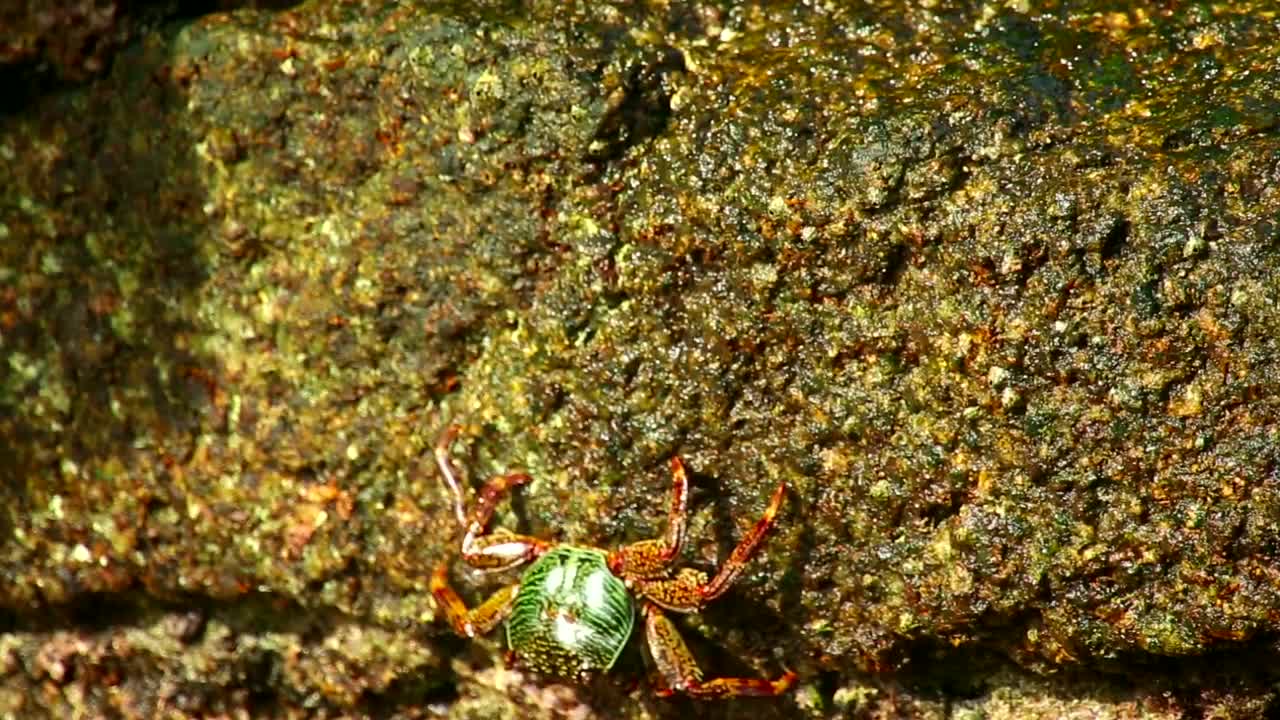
[{"x": 991, "y": 289}]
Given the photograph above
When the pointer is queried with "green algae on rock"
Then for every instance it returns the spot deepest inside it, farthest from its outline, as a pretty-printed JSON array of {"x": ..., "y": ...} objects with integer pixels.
[{"x": 989, "y": 287}]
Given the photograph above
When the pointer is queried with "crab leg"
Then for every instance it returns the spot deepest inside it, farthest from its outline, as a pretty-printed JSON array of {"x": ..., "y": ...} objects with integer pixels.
[
  {"x": 450, "y": 477},
  {"x": 650, "y": 558},
  {"x": 689, "y": 590},
  {"x": 680, "y": 672},
  {"x": 480, "y": 550},
  {"x": 470, "y": 622},
  {"x": 743, "y": 552}
]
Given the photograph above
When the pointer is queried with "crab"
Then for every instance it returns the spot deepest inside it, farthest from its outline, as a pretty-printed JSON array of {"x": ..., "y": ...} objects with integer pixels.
[{"x": 572, "y": 611}]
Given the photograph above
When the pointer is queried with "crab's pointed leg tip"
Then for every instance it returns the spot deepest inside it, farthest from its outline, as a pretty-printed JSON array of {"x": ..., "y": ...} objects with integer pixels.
[
  {"x": 785, "y": 682},
  {"x": 775, "y": 502}
]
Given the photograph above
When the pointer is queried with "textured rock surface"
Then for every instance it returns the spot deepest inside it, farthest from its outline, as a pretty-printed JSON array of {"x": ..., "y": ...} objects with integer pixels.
[
  {"x": 50, "y": 43},
  {"x": 992, "y": 291}
]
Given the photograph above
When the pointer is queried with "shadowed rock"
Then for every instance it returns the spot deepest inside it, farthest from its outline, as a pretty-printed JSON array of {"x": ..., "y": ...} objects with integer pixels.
[{"x": 992, "y": 292}]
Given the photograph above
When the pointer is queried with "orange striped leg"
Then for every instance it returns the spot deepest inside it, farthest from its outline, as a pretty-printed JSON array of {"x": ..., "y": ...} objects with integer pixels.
[
  {"x": 502, "y": 550},
  {"x": 480, "y": 550},
  {"x": 489, "y": 495},
  {"x": 470, "y": 622},
  {"x": 689, "y": 590},
  {"x": 680, "y": 672},
  {"x": 650, "y": 558}
]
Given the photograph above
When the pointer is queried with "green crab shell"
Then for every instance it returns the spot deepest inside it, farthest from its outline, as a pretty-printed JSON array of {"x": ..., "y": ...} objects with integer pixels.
[{"x": 570, "y": 615}]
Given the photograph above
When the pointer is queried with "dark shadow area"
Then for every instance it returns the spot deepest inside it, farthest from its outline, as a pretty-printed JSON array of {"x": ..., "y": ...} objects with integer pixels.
[
  {"x": 103, "y": 215},
  {"x": 184, "y": 617},
  {"x": 408, "y": 692},
  {"x": 93, "y": 639},
  {"x": 62, "y": 44},
  {"x": 1233, "y": 680},
  {"x": 641, "y": 109},
  {"x": 25, "y": 81}
]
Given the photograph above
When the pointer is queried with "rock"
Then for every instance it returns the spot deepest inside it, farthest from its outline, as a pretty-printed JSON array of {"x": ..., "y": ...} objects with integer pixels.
[{"x": 990, "y": 290}]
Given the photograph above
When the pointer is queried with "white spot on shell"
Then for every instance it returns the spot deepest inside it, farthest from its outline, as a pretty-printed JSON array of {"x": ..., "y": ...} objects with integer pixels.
[
  {"x": 569, "y": 632},
  {"x": 594, "y": 589}
]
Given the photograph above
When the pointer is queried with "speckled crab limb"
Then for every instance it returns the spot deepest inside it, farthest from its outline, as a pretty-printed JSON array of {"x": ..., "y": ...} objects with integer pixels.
[
  {"x": 651, "y": 558},
  {"x": 688, "y": 591},
  {"x": 680, "y": 672},
  {"x": 470, "y": 622},
  {"x": 487, "y": 552}
]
